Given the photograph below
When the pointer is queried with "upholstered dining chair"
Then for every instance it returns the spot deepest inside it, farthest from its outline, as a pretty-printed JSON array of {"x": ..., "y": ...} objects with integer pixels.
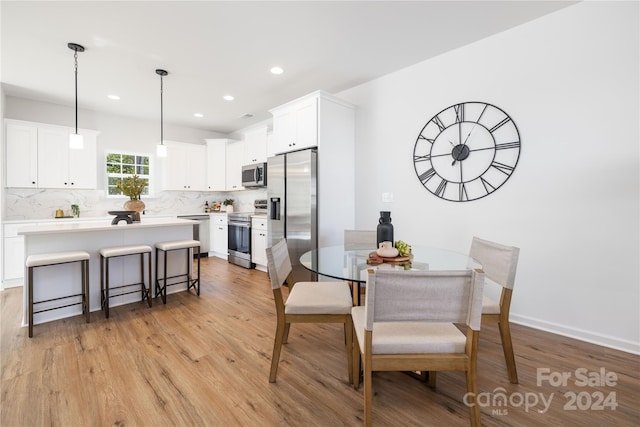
[
  {"x": 499, "y": 263},
  {"x": 359, "y": 240},
  {"x": 407, "y": 324},
  {"x": 307, "y": 302}
]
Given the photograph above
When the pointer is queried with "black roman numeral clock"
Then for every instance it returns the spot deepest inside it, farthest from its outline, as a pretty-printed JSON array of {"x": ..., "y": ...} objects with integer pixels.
[{"x": 466, "y": 151}]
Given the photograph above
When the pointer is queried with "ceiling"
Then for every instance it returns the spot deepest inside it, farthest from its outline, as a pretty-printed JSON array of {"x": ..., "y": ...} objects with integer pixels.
[{"x": 215, "y": 48}]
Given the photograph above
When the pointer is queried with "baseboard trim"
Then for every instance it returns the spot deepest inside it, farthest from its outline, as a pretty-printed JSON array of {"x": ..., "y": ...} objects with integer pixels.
[{"x": 576, "y": 333}]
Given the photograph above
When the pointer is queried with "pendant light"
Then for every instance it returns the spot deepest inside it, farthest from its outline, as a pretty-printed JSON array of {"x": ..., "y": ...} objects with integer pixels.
[
  {"x": 161, "y": 149},
  {"x": 75, "y": 139}
]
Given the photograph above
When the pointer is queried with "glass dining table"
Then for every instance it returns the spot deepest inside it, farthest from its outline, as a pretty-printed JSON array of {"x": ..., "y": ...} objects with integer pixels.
[{"x": 351, "y": 265}]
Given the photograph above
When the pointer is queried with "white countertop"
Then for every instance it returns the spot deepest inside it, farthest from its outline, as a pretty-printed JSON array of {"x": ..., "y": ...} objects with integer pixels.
[{"x": 100, "y": 226}]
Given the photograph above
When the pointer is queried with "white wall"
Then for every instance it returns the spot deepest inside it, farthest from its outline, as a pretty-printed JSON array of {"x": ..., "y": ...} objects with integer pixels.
[{"x": 570, "y": 82}]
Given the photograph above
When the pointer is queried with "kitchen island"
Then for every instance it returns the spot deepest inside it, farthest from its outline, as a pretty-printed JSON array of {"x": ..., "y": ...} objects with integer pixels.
[{"x": 62, "y": 279}]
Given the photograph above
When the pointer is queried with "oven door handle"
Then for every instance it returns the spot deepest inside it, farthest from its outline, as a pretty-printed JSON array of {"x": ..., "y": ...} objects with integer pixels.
[{"x": 239, "y": 224}]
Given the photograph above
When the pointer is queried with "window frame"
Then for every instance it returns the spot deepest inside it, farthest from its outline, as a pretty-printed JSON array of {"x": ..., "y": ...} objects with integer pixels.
[{"x": 136, "y": 155}]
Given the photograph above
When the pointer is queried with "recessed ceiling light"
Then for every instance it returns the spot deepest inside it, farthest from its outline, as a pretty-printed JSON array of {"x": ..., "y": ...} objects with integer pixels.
[
  {"x": 277, "y": 70},
  {"x": 114, "y": 97},
  {"x": 199, "y": 115},
  {"x": 228, "y": 98}
]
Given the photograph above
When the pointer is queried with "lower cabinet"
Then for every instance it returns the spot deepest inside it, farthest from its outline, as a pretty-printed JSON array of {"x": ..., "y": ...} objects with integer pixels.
[
  {"x": 13, "y": 257},
  {"x": 219, "y": 235},
  {"x": 259, "y": 243}
]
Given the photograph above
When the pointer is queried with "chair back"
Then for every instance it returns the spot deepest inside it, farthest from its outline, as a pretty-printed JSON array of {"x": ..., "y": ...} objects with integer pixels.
[
  {"x": 278, "y": 263},
  {"x": 360, "y": 239},
  {"x": 499, "y": 262},
  {"x": 424, "y": 296}
]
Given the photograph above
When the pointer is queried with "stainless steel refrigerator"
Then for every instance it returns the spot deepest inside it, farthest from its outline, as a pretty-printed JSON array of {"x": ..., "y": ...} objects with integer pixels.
[{"x": 293, "y": 214}]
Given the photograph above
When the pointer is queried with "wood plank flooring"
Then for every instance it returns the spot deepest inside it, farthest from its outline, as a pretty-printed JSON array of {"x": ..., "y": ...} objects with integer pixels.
[{"x": 205, "y": 362}]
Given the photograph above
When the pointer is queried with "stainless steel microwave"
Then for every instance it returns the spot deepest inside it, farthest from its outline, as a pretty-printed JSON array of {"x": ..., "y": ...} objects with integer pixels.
[{"x": 254, "y": 175}]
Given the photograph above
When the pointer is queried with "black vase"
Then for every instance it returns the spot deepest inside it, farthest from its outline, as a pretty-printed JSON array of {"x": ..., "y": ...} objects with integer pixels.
[{"x": 385, "y": 228}]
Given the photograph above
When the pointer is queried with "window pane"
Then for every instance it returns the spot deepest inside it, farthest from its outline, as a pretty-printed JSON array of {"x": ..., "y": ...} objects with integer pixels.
[
  {"x": 128, "y": 159},
  {"x": 113, "y": 191},
  {"x": 113, "y": 158},
  {"x": 111, "y": 168},
  {"x": 128, "y": 169},
  {"x": 113, "y": 181}
]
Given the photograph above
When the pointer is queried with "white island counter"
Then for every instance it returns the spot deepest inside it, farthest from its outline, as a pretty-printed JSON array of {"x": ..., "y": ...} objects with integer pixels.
[{"x": 64, "y": 279}]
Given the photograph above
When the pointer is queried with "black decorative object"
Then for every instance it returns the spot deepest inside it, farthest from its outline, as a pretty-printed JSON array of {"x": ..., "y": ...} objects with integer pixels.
[
  {"x": 385, "y": 228},
  {"x": 122, "y": 216},
  {"x": 466, "y": 151}
]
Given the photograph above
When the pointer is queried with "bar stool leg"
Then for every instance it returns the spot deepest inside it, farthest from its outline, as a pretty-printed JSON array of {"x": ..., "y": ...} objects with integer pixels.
[
  {"x": 148, "y": 291},
  {"x": 164, "y": 288},
  {"x": 85, "y": 282},
  {"x": 30, "y": 290}
]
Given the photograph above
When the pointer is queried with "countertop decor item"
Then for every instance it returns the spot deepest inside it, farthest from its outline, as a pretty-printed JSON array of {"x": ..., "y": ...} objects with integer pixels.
[
  {"x": 122, "y": 216},
  {"x": 228, "y": 205},
  {"x": 386, "y": 250},
  {"x": 132, "y": 186},
  {"x": 76, "y": 210},
  {"x": 466, "y": 151}
]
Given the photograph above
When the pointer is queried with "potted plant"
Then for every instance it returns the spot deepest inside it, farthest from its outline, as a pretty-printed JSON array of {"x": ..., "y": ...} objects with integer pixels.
[
  {"x": 132, "y": 186},
  {"x": 228, "y": 205}
]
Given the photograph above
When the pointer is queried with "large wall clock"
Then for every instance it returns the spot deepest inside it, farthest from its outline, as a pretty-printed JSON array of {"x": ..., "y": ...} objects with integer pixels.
[{"x": 466, "y": 151}]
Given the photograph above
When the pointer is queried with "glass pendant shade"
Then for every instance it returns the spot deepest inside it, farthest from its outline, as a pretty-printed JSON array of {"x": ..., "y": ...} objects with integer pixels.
[
  {"x": 161, "y": 150},
  {"x": 75, "y": 141}
]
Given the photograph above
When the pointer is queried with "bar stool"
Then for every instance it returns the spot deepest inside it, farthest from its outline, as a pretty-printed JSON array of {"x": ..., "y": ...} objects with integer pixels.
[
  {"x": 49, "y": 259},
  {"x": 190, "y": 246},
  {"x": 120, "y": 251}
]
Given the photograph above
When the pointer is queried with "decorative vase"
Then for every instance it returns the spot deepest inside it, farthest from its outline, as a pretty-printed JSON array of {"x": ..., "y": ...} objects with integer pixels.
[
  {"x": 386, "y": 250},
  {"x": 229, "y": 208},
  {"x": 135, "y": 205},
  {"x": 385, "y": 228}
]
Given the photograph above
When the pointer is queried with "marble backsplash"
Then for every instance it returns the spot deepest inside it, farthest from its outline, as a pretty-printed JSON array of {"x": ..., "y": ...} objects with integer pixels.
[{"x": 27, "y": 204}]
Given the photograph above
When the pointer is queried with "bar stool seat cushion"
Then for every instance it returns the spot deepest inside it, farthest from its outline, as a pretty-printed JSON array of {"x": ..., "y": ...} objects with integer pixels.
[
  {"x": 177, "y": 244},
  {"x": 56, "y": 258},
  {"x": 125, "y": 250}
]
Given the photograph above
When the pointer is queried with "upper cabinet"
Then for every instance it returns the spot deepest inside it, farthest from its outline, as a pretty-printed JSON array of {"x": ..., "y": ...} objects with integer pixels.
[
  {"x": 185, "y": 167},
  {"x": 255, "y": 141},
  {"x": 295, "y": 124},
  {"x": 217, "y": 164},
  {"x": 235, "y": 160},
  {"x": 38, "y": 156}
]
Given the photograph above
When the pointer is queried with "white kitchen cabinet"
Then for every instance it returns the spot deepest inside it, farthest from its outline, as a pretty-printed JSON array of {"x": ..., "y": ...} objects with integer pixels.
[
  {"x": 38, "y": 156},
  {"x": 217, "y": 164},
  {"x": 235, "y": 160},
  {"x": 255, "y": 141},
  {"x": 219, "y": 235},
  {"x": 295, "y": 124},
  {"x": 13, "y": 255},
  {"x": 185, "y": 167},
  {"x": 22, "y": 153},
  {"x": 259, "y": 242}
]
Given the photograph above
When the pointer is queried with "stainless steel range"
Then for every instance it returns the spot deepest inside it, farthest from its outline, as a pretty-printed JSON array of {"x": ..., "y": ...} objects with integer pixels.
[{"x": 239, "y": 240}]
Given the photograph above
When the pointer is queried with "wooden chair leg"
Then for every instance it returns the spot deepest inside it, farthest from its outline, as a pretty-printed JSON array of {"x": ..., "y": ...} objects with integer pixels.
[
  {"x": 356, "y": 362},
  {"x": 368, "y": 393},
  {"x": 349, "y": 339},
  {"x": 507, "y": 348},
  {"x": 277, "y": 348},
  {"x": 431, "y": 378},
  {"x": 470, "y": 399},
  {"x": 286, "y": 332}
]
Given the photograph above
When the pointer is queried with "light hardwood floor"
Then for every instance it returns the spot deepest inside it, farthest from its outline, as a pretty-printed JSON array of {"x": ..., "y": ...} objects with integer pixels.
[{"x": 205, "y": 362}]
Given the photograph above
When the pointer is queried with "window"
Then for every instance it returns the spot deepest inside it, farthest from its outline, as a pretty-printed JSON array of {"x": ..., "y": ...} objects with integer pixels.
[{"x": 121, "y": 165}]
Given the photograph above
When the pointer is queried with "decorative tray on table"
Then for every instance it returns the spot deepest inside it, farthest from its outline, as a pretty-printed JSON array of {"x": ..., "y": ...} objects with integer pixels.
[{"x": 375, "y": 259}]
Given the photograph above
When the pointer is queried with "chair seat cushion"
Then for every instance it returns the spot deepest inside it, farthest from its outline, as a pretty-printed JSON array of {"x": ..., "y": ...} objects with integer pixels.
[
  {"x": 409, "y": 337},
  {"x": 39, "y": 260},
  {"x": 124, "y": 250},
  {"x": 489, "y": 306},
  {"x": 319, "y": 298},
  {"x": 177, "y": 244}
]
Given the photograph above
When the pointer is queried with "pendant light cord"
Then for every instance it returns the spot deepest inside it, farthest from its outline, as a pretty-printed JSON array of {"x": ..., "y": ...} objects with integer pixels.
[
  {"x": 161, "y": 114},
  {"x": 75, "y": 57}
]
